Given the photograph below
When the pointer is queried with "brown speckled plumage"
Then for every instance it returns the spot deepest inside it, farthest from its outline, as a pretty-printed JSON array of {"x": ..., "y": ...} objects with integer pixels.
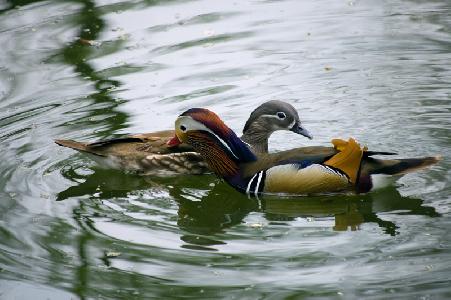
[{"x": 149, "y": 154}]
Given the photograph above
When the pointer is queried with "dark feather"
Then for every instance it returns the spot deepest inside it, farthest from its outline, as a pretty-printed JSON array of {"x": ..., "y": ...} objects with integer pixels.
[
  {"x": 371, "y": 153},
  {"x": 240, "y": 148},
  {"x": 116, "y": 141},
  {"x": 302, "y": 156},
  {"x": 396, "y": 166}
]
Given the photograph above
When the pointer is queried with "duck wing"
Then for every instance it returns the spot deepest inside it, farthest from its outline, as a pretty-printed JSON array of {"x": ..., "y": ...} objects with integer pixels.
[
  {"x": 133, "y": 145},
  {"x": 309, "y": 169},
  {"x": 298, "y": 179},
  {"x": 297, "y": 156}
]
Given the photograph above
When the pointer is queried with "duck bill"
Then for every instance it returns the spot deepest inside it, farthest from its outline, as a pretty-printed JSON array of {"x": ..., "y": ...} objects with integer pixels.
[
  {"x": 173, "y": 142},
  {"x": 297, "y": 128}
]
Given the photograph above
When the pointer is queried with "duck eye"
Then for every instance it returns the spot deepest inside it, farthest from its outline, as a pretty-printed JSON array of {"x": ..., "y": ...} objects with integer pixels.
[
  {"x": 281, "y": 115},
  {"x": 183, "y": 128}
]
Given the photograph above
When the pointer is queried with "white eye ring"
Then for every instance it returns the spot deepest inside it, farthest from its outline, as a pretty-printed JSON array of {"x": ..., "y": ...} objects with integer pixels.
[
  {"x": 281, "y": 115},
  {"x": 182, "y": 128}
]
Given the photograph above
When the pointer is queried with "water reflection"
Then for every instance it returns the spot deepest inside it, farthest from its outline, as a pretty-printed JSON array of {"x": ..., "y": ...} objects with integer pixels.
[
  {"x": 350, "y": 212},
  {"x": 77, "y": 54},
  {"x": 360, "y": 68},
  {"x": 204, "y": 211}
]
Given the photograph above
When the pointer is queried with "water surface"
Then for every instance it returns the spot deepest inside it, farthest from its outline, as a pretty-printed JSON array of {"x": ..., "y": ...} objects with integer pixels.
[{"x": 88, "y": 70}]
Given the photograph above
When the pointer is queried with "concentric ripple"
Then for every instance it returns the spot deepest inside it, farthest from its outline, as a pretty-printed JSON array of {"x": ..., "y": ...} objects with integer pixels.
[{"x": 89, "y": 70}]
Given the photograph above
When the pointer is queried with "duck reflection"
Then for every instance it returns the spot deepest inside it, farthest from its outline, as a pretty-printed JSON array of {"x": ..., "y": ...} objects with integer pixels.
[
  {"x": 350, "y": 211},
  {"x": 223, "y": 208},
  {"x": 102, "y": 183},
  {"x": 210, "y": 214},
  {"x": 207, "y": 207}
]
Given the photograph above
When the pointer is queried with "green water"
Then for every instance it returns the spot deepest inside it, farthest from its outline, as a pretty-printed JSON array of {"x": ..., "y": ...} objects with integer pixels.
[{"x": 375, "y": 70}]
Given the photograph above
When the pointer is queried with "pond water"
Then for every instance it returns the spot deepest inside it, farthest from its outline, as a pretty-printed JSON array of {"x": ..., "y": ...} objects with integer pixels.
[{"x": 376, "y": 70}]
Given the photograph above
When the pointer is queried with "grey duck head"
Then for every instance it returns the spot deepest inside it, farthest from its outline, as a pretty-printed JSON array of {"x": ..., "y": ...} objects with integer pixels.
[{"x": 269, "y": 117}]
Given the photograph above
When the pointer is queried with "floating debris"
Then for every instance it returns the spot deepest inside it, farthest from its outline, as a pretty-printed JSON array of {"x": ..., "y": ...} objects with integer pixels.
[
  {"x": 256, "y": 225},
  {"x": 112, "y": 254},
  {"x": 89, "y": 42},
  {"x": 209, "y": 32}
]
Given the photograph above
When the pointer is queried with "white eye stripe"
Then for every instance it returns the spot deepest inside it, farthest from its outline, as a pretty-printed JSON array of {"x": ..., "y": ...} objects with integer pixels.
[
  {"x": 276, "y": 116},
  {"x": 192, "y": 124},
  {"x": 271, "y": 116}
]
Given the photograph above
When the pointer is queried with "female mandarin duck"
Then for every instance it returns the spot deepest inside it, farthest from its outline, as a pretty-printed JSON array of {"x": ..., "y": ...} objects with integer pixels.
[
  {"x": 346, "y": 166},
  {"x": 149, "y": 153}
]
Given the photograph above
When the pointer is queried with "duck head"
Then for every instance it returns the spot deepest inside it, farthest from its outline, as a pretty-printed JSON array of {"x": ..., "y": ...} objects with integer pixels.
[
  {"x": 218, "y": 144},
  {"x": 272, "y": 116}
]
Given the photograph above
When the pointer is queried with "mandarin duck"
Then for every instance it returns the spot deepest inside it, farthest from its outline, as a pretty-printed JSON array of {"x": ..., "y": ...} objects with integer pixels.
[
  {"x": 346, "y": 166},
  {"x": 149, "y": 153}
]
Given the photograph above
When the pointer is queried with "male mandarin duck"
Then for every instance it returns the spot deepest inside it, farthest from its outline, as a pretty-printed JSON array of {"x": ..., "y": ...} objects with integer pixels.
[
  {"x": 149, "y": 153},
  {"x": 306, "y": 170}
]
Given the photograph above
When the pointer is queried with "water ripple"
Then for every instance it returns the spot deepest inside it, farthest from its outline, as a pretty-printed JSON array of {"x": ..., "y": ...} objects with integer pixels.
[{"x": 89, "y": 70}]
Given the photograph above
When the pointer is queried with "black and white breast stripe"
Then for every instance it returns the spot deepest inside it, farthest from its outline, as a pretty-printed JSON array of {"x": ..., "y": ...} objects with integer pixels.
[
  {"x": 256, "y": 184},
  {"x": 335, "y": 171}
]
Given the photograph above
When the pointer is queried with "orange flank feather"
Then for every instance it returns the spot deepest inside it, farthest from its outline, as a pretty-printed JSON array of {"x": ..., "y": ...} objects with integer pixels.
[{"x": 348, "y": 159}]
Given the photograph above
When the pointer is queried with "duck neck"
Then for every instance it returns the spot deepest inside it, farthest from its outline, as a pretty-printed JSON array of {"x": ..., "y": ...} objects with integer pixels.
[
  {"x": 257, "y": 137},
  {"x": 224, "y": 155},
  {"x": 230, "y": 169}
]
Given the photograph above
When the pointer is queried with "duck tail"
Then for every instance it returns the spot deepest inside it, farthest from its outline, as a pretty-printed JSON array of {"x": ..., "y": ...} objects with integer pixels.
[
  {"x": 397, "y": 166},
  {"x": 371, "y": 166},
  {"x": 72, "y": 144}
]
